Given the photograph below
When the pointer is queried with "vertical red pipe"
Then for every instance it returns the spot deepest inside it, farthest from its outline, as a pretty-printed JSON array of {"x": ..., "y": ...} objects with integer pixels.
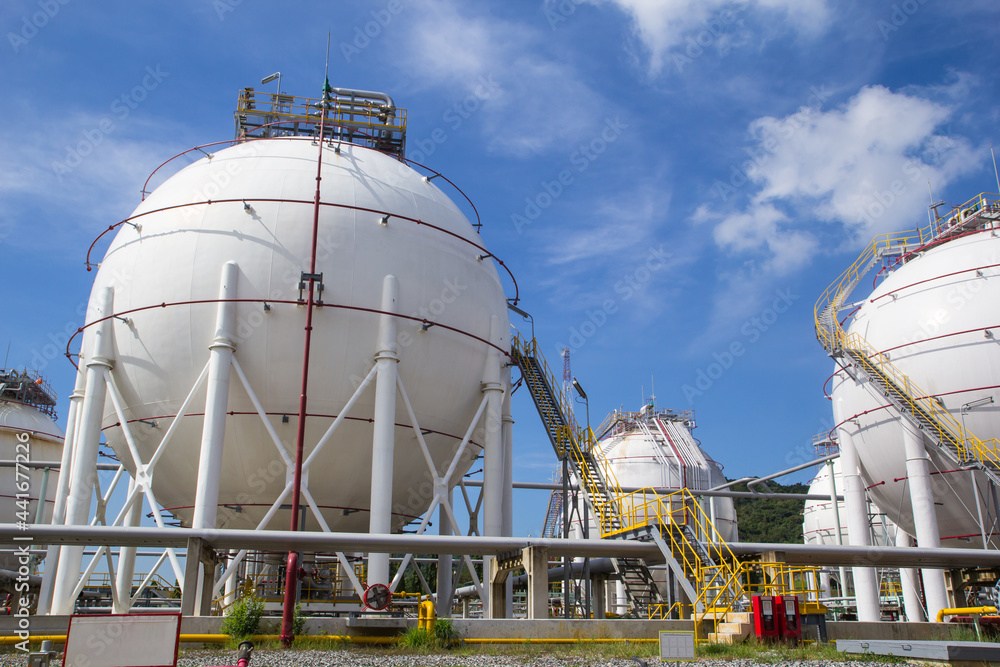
[{"x": 292, "y": 566}]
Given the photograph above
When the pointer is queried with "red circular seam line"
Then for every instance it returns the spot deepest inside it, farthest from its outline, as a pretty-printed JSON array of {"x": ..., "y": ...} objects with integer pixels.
[
  {"x": 915, "y": 342},
  {"x": 888, "y": 405},
  {"x": 927, "y": 280},
  {"x": 285, "y": 301},
  {"x": 479, "y": 220},
  {"x": 325, "y": 507},
  {"x": 927, "y": 246},
  {"x": 274, "y": 414}
]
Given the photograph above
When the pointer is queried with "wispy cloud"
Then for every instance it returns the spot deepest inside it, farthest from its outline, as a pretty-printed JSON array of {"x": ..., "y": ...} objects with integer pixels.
[
  {"x": 542, "y": 101},
  {"x": 845, "y": 174},
  {"x": 665, "y": 27},
  {"x": 72, "y": 178}
]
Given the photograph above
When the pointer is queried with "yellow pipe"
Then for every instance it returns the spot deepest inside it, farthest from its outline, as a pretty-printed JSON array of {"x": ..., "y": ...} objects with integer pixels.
[
  {"x": 34, "y": 639},
  {"x": 965, "y": 610},
  {"x": 554, "y": 641},
  {"x": 348, "y": 639}
]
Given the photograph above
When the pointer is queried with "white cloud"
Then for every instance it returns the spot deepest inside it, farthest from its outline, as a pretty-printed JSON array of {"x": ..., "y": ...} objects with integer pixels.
[
  {"x": 848, "y": 173},
  {"x": 88, "y": 164},
  {"x": 663, "y": 27},
  {"x": 538, "y": 103},
  {"x": 864, "y": 167}
]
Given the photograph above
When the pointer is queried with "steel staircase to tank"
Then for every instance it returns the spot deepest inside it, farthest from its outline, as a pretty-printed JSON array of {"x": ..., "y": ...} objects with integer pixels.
[
  {"x": 553, "y": 516},
  {"x": 712, "y": 578},
  {"x": 601, "y": 489},
  {"x": 866, "y": 363}
]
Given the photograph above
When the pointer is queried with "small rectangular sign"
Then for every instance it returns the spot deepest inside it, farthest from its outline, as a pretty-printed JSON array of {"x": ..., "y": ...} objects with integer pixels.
[
  {"x": 123, "y": 640},
  {"x": 677, "y": 645}
]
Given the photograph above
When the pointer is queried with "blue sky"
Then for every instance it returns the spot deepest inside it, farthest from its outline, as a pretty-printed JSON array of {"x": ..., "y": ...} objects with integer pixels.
[{"x": 672, "y": 182}]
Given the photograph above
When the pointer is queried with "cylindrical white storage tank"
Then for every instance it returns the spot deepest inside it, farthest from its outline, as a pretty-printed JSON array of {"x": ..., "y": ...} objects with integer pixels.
[
  {"x": 932, "y": 317},
  {"x": 28, "y": 435},
  {"x": 252, "y": 204}
]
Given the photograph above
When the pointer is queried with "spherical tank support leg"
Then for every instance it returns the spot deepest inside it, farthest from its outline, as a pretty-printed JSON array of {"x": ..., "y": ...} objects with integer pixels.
[
  {"x": 84, "y": 465},
  {"x": 383, "y": 440},
  {"x": 924, "y": 515},
  {"x": 493, "y": 461},
  {"x": 909, "y": 582},
  {"x": 856, "y": 503},
  {"x": 62, "y": 491}
]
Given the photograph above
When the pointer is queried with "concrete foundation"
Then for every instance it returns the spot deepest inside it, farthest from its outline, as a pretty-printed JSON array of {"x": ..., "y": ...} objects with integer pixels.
[{"x": 520, "y": 629}]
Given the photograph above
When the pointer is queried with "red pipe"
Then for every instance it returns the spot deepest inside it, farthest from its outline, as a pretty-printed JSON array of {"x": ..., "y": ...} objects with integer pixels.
[{"x": 291, "y": 572}]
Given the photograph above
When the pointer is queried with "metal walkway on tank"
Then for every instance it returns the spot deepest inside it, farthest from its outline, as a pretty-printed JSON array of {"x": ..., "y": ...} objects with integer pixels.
[
  {"x": 705, "y": 568},
  {"x": 864, "y": 362}
]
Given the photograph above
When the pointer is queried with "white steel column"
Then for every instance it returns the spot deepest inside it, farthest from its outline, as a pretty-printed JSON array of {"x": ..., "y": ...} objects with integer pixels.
[
  {"x": 830, "y": 468},
  {"x": 444, "y": 572},
  {"x": 858, "y": 534},
  {"x": 493, "y": 452},
  {"x": 213, "y": 434},
  {"x": 62, "y": 491},
  {"x": 126, "y": 558},
  {"x": 924, "y": 515},
  {"x": 84, "y": 467},
  {"x": 384, "y": 429},
  {"x": 508, "y": 476},
  {"x": 493, "y": 461},
  {"x": 909, "y": 582}
]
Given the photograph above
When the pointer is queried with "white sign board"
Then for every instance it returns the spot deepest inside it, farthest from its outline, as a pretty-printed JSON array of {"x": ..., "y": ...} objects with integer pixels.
[
  {"x": 123, "y": 640},
  {"x": 677, "y": 645}
]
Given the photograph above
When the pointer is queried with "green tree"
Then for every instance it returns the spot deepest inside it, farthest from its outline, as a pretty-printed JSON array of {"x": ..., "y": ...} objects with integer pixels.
[{"x": 771, "y": 519}]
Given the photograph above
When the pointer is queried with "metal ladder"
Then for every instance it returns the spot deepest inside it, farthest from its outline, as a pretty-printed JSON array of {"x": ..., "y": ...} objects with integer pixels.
[
  {"x": 866, "y": 363},
  {"x": 569, "y": 440}
]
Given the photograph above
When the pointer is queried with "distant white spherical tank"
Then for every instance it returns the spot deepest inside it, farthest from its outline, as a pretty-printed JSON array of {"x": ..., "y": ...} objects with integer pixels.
[
  {"x": 819, "y": 518},
  {"x": 641, "y": 460},
  {"x": 27, "y": 435},
  {"x": 931, "y": 316},
  {"x": 253, "y": 204}
]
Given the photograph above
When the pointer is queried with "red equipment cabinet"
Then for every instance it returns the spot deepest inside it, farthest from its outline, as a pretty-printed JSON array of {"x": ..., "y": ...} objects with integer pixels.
[
  {"x": 789, "y": 619},
  {"x": 765, "y": 621}
]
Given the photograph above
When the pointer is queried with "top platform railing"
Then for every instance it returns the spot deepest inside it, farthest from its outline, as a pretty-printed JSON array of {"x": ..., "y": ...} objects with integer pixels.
[
  {"x": 352, "y": 119},
  {"x": 28, "y": 387},
  {"x": 980, "y": 212}
]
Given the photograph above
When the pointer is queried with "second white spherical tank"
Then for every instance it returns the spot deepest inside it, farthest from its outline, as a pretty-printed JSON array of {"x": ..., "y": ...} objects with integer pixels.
[
  {"x": 668, "y": 461},
  {"x": 932, "y": 316},
  {"x": 28, "y": 436},
  {"x": 820, "y": 519},
  {"x": 252, "y": 204}
]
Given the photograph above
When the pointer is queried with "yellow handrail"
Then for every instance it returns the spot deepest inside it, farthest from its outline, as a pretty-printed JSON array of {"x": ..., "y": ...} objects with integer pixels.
[
  {"x": 833, "y": 337},
  {"x": 571, "y": 439}
]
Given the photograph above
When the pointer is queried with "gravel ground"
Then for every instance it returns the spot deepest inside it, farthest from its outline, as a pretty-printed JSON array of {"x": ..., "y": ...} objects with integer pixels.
[
  {"x": 349, "y": 658},
  {"x": 367, "y": 658}
]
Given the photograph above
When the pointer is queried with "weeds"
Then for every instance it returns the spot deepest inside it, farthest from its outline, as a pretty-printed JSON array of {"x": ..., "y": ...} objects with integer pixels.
[{"x": 243, "y": 618}]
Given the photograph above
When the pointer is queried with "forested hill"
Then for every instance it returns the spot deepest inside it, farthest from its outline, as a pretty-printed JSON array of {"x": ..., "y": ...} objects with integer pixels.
[{"x": 771, "y": 520}]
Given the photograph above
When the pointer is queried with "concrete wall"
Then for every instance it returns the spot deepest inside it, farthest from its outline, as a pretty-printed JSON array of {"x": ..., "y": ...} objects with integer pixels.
[
  {"x": 913, "y": 631},
  {"x": 515, "y": 629}
]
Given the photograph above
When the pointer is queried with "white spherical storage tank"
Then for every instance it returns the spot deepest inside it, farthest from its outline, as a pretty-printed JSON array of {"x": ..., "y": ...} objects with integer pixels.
[
  {"x": 933, "y": 317},
  {"x": 819, "y": 518},
  {"x": 253, "y": 205},
  {"x": 656, "y": 449},
  {"x": 28, "y": 436}
]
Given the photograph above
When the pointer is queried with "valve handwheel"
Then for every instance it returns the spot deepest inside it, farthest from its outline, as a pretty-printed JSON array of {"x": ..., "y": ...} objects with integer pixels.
[{"x": 377, "y": 597}]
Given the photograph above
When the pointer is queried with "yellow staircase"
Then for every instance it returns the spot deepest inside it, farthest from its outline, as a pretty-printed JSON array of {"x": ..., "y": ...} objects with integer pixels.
[
  {"x": 715, "y": 581},
  {"x": 909, "y": 400}
]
